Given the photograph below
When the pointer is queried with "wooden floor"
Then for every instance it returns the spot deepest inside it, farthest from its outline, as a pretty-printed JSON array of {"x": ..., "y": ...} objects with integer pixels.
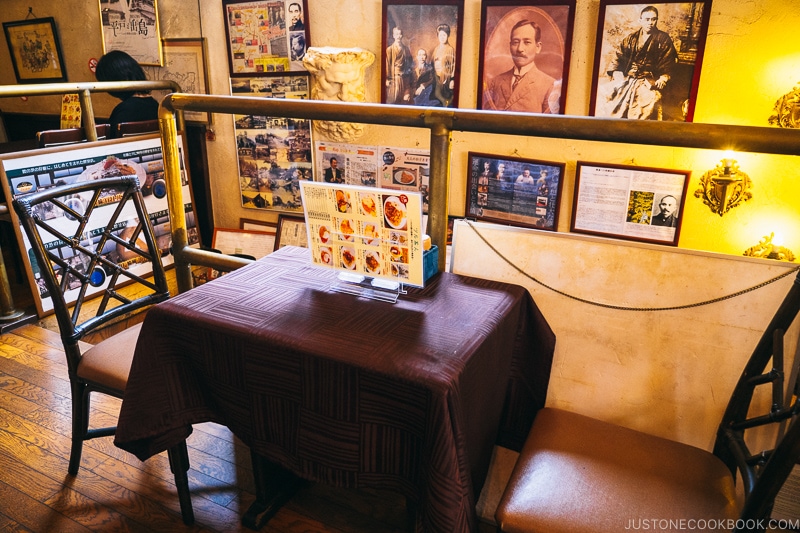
[{"x": 114, "y": 491}]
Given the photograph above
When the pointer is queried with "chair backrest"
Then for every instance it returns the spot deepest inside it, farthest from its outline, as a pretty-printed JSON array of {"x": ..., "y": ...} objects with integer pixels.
[
  {"x": 764, "y": 472},
  {"x": 128, "y": 129},
  {"x": 89, "y": 238},
  {"x": 69, "y": 135}
]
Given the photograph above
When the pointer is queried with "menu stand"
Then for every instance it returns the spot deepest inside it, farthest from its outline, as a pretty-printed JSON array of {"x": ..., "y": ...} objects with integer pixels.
[{"x": 367, "y": 287}]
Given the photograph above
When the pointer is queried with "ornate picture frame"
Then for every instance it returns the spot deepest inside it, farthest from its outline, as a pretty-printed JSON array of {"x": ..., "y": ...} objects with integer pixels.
[
  {"x": 628, "y": 202},
  {"x": 266, "y": 37},
  {"x": 411, "y": 30},
  {"x": 35, "y": 50},
  {"x": 514, "y": 191},
  {"x": 509, "y": 48},
  {"x": 132, "y": 28},
  {"x": 184, "y": 63},
  {"x": 657, "y": 81}
]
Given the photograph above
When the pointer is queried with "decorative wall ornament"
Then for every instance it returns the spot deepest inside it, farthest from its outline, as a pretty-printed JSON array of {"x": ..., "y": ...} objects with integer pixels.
[
  {"x": 338, "y": 74},
  {"x": 768, "y": 249},
  {"x": 787, "y": 110},
  {"x": 724, "y": 187}
]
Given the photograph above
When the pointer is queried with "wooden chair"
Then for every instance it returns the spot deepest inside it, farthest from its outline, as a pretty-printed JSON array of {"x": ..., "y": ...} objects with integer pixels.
[
  {"x": 69, "y": 135},
  {"x": 128, "y": 129},
  {"x": 579, "y": 474},
  {"x": 81, "y": 241}
]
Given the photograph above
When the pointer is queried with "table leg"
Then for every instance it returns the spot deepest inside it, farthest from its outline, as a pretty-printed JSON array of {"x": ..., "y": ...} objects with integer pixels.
[{"x": 274, "y": 487}]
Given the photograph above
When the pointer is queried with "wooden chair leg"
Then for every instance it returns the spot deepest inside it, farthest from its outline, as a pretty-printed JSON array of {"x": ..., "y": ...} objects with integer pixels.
[
  {"x": 179, "y": 464},
  {"x": 80, "y": 425}
]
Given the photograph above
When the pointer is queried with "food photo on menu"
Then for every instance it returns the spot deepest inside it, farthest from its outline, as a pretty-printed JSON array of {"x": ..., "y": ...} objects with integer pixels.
[{"x": 376, "y": 233}]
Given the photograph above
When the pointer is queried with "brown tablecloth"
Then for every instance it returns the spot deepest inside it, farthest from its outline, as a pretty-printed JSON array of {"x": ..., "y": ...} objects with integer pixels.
[{"x": 339, "y": 389}]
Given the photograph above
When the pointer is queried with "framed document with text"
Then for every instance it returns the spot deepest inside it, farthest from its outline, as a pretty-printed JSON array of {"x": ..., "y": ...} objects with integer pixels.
[{"x": 627, "y": 202}]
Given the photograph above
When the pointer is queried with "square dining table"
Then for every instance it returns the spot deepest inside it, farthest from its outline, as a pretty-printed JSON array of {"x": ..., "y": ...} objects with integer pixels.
[{"x": 408, "y": 396}]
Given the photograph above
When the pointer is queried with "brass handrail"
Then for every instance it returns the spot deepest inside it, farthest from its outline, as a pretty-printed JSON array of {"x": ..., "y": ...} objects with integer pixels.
[
  {"x": 8, "y": 312},
  {"x": 441, "y": 123}
]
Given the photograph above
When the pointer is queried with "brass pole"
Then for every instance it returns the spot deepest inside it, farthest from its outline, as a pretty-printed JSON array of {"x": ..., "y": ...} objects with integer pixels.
[
  {"x": 87, "y": 115},
  {"x": 172, "y": 176},
  {"x": 439, "y": 182}
]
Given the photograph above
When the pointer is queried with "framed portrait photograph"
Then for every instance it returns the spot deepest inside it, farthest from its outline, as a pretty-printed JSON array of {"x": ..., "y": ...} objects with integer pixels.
[
  {"x": 628, "y": 202},
  {"x": 421, "y": 52},
  {"x": 35, "y": 50},
  {"x": 514, "y": 191},
  {"x": 266, "y": 37},
  {"x": 291, "y": 232},
  {"x": 185, "y": 64},
  {"x": 133, "y": 28},
  {"x": 647, "y": 59},
  {"x": 525, "y": 52}
]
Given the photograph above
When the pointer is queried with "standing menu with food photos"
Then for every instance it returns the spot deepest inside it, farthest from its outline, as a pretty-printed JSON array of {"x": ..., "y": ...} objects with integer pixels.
[{"x": 376, "y": 233}]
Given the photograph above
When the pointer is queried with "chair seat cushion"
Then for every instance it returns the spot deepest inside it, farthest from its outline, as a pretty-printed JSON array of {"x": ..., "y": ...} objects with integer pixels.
[
  {"x": 577, "y": 474},
  {"x": 109, "y": 362}
]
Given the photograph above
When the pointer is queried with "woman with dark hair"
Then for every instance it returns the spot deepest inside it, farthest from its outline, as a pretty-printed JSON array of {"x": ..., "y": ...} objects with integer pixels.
[{"x": 135, "y": 106}]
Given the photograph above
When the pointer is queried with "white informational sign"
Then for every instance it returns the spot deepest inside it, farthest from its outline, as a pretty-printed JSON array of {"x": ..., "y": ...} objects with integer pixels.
[
  {"x": 27, "y": 172},
  {"x": 367, "y": 231}
]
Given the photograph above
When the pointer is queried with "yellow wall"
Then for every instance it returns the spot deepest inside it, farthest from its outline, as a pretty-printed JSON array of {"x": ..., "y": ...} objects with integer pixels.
[{"x": 752, "y": 58}]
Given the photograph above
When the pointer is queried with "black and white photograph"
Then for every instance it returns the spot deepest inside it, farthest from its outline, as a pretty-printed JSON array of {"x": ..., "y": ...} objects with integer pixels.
[
  {"x": 525, "y": 54},
  {"x": 647, "y": 59},
  {"x": 421, "y": 53}
]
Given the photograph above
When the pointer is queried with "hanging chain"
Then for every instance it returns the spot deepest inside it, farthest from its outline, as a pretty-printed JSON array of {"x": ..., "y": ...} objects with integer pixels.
[{"x": 625, "y": 308}]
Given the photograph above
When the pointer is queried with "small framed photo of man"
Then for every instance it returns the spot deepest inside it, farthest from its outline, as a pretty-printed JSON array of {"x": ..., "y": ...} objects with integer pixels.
[
  {"x": 421, "y": 56},
  {"x": 647, "y": 59},
  {"x": 524, "y": 60}
]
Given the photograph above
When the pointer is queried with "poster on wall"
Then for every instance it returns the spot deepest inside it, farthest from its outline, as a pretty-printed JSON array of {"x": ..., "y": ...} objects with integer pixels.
[
  {"x": 266, "y": 36},
  {"x": 525, "y": 53},
  {"x": 365, "y": 231},
  {"x": 26, "y": 172},
  {"x": 656, "y": 80},
  {"x": 627, "y": 202},
  {"x": 132, "y": 27},
  {"x": 274, "y": 153},
  {"x": 404, "y": 169}
]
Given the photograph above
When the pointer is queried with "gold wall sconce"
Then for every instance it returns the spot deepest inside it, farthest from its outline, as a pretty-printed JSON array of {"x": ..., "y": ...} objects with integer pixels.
[
  {"x": 768, "y": 248},
  {"x": 787, "y": 110},
  {"x": 724, "y": 187}
]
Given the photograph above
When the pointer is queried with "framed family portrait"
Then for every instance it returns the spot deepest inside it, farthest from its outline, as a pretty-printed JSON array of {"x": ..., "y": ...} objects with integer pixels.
[
  {"x": 133, "y": 28},
  {"x": 648, "y": 58},
  {"x": 35, "y": 51},
  {"x": 421, "y": 56},
  {"x": 266, "y": 37},
  {"x": 514, "y": 191},
  {"x": 628, "y": 202},
  {"x": 525, "y": 51},
  {"x": 185, "y": 64}
]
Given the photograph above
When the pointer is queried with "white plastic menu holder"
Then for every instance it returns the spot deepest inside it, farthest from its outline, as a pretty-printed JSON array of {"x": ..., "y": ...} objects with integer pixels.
[{"x": 372, "y": 236}]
